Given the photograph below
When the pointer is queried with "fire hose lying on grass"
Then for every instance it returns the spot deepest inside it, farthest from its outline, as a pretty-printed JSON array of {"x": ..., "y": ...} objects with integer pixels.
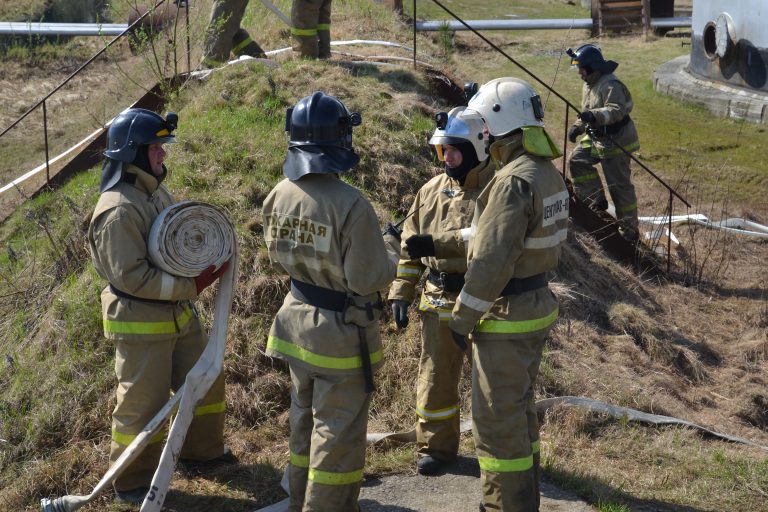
[{"x": 185, "y": 239}]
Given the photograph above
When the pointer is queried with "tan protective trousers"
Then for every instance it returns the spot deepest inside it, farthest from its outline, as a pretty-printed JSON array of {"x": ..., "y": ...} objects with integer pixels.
[
  {"x": 224, "y": 34},
  {"x": 311, "y": 29},
  {"x": 589, "y": 188},
  {"x": 504, "y": 421},
  {"x": 437, "y": 390},
  {"x": 327, "y": 447},
  {"x": 146, "y": 373}
]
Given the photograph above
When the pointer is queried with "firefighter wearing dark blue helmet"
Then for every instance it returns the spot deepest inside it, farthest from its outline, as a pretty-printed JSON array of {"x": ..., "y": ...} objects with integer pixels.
[{"x": 128, "y": 140}]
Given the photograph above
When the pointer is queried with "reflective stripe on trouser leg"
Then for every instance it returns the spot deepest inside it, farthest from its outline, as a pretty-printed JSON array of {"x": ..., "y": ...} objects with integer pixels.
[
  {"x": 324, "y": 30},
  {"x": 618, "y": 176},
  {"x": 437, "y": 396},
  {"x": 304, "y": 19},
  {"x": 143, "y": 371},
  {"x": 300, "y": 418},
  {"x": 222, "y": 26},
  {"x": 502, "y": 389},
  {"x": 243, "y": 44},
  {"x": 205, "y": 436},
  {"x": 337, "y": 453},
  {"x": 586, "y": 180}
]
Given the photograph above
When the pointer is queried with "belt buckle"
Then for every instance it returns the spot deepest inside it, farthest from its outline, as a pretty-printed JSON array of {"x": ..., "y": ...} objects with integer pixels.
[{"x": 442, "y": 278}]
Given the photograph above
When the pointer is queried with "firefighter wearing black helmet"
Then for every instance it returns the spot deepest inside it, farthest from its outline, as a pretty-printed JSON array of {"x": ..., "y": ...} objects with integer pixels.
[
  {"x": 606, "y": 104},
  {"x": 324, "y": 233},
  {"x": 147, "y": 313}
]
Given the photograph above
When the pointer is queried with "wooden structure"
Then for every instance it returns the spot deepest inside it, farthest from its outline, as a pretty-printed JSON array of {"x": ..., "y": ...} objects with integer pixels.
[{"x": 620, "y": 17}]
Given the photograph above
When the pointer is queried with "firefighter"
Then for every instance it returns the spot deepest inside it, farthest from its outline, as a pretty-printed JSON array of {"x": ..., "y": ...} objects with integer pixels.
[
  {"x": 148, "y": 313},
  {"x": 224, "y": 34},
  {"x": 435, "y": 235},
  {"x": 325, "y": 235},
  {"x": 606, "y": 104},
  {"x": 311, "y": 28},
  {"x": 520, "y": 223}
]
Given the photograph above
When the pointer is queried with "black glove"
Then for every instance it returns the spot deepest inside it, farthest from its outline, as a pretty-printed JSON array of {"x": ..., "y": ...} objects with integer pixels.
[
  {"x": 574, "y": 133},
  {"x": 400, "y": 313},
  {"x": 459, "y": 339},
  {"x": 393, "y": 230},
  {"x": 588, "y": 117},
  {"x": 419, "y": 246}
]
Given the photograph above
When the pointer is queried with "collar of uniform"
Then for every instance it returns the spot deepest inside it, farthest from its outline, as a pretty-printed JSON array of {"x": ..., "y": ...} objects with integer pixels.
[
  {"x": 473, "y": 176},
  {"x": 507, "y": 149},
  {"x": 143, "y": 180}
]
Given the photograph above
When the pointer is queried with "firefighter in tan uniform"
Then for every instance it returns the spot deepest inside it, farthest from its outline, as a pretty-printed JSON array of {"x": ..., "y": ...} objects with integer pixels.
[
  {"x": 325, "y": 235},
  {"x": 224, "y": 34},
  {"x": 606, "y": 104},
  {"x": 520, "y": 223},
  {"x": 147, "y": 313},
  {"x": 311, "y": 28},
  {"x": 435, "y": 234}
]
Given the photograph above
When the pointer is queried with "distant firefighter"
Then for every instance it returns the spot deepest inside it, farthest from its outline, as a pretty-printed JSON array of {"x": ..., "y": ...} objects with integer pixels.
[
  {"x": 605, "y": 104},
  {"x": 225, "y": 35},
  {"x": 311, "y": 29}
]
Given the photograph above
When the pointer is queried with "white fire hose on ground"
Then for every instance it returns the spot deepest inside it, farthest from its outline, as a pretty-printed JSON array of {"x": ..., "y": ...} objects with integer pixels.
[{"x": 185, "y": 239}]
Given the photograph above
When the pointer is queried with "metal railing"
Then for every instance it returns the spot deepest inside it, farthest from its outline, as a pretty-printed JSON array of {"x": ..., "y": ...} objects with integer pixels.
[
  {"x": 42, "y": 104},
  {"x": 569, "y": 106}
]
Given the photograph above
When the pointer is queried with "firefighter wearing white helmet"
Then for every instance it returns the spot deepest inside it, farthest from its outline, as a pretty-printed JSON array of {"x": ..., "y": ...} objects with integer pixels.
[
  {"x": 148, "y": 313},
  {"x": 436, "y": 234},
  {"x": 324, "y": 233},
  {"x": 520, "y": 224}
]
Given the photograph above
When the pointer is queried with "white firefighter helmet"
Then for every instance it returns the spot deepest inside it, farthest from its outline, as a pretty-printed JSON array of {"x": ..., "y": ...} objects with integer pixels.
[
  {"x": 453, "y": 129},
  {"x": 506, "y": 104}
]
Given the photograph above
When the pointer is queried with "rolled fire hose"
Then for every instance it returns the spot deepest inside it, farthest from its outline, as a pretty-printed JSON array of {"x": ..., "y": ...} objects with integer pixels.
[{"x": 185, "y": 239}]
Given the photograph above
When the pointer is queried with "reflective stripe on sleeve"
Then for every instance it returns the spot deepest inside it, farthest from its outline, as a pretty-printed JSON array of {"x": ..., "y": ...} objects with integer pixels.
[
  {"x": 437, "y": 414},
  {"x": 166, "y": 286},
  {"x": 585, "y": 177},
  {"x": 328, "y": 478},
  {"x": 547, "y": 242},
  {"x": 506, "y": 465},
  {"x": 335, "y": 363},
  {"x": 300, "y": 461},
  {"x": 473, "y": 302},
  {"x": 517, "y": 326},
  {"x": 169, "y": 327},
  {"x": 408, "y": 271}
]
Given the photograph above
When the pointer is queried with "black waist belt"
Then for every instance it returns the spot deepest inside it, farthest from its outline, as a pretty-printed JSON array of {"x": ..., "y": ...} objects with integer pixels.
[
  {"x": 613, "y": 129},
  {"x": 516, "y": 286},
  {"x": 318, "y": 296},
  {"x": 449, "y": 282},
  {"x": 133, "y": 297}
]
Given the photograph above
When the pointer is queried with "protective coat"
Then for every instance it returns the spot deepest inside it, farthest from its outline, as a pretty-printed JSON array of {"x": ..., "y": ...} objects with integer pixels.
[
  {"x": 520, "y": 224},
  {"x": 322, "y": 231},
  {"x": 444, "y": 209},
  {"x": 157, "y": 334},
  {"x": 611, "y": 102}
]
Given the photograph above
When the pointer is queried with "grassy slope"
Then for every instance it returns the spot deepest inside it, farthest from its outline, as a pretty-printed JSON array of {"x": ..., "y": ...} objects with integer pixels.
[{"x": 619, "y": 339}]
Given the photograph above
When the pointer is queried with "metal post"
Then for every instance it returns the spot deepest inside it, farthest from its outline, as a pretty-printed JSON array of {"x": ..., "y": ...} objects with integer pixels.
[
  {"x": 565, "y": 138},
  {"x": 414, "y": 34},
  {"x": 189, "y": 54},
  {"x": 45, "y": 134},
  {"x": 669, "y": 236}
]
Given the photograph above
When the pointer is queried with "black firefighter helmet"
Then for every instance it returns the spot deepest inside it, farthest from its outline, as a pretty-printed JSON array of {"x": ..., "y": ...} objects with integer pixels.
[
  {"x": 589, "y": 57},
  {"x": 132, "y": 128},
  {"x": 320, "y": 131}
]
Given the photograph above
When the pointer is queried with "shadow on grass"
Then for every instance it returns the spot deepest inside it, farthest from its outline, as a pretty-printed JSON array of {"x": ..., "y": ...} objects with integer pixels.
[{"x": 595, "y": 491}]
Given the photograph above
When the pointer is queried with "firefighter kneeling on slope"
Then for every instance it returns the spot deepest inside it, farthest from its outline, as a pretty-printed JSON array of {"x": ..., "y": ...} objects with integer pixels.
[
  {"x": 148, "y": 313},
  {"x": 520, "y": 224},
  {"x": 324, "y": 233},
  {"x": 606, "y": 104},
  {"x": 436, "y": 233}
]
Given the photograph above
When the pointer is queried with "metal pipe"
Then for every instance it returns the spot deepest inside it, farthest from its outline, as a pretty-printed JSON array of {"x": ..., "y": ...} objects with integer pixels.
[
  {"x": 540, "y": 24},
  {"x": 112, "y": 29}
]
